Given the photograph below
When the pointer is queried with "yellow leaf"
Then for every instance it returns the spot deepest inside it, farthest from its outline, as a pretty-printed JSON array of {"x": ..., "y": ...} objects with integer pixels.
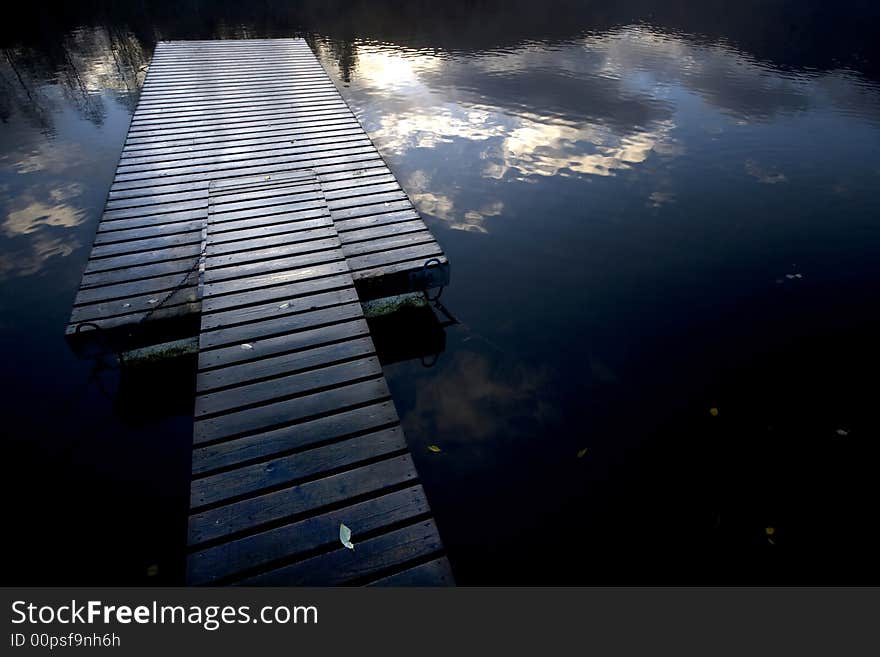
[
  {"x": 434, "y": 449},
  {"x": 713, "y": 412},
  {"x": 153, "y": 570},
  {"x": 770, "y": 531},
  {"x": 582, "y": 453}
]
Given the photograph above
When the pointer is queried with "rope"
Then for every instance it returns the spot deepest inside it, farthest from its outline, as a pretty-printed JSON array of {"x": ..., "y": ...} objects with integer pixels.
[{"x": 176, "y": 288}]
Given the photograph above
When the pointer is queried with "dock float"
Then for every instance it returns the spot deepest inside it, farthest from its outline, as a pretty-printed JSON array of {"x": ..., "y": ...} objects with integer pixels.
[{"x": 250, "y": 209}]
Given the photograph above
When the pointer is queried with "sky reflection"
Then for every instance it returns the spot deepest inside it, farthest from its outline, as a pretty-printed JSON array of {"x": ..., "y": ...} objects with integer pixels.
[
  {"x": 60, "y": 122},
  {"x": 592, "y": 107}
]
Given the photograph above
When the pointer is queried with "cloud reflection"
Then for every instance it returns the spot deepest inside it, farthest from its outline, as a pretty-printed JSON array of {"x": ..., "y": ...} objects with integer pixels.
[
  {"x": 595, "y": 107},
  {"x": 763, "y": 174},
  {"x": 30, "y": 229},
  {"x": 538, "y": 148},
  {"x": 37, "y": 214},
  {"x": 39, "y": 250},
  {"x": 476, "y": 397},
  {"x": 55, "y": 105}
]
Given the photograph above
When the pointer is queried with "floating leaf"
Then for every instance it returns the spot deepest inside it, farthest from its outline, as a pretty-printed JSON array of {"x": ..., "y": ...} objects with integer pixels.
[
  {"x": 583, "y": 452},
  {"x": 713, "y": 412},
  {"x": 153, "y": 570},
  {"x": 435, "y": 449},
  {"x": 284, "y": 306},
  {"x": 842, "y": 432},
  {"x": 247, "y": 345},
  {"x": 345, "y": 536}
]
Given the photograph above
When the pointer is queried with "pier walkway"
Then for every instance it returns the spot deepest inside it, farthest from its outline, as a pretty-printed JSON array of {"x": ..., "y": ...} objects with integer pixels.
[
  {"x": 250, "y": 208},
  {"x": 213, "y": 110}
]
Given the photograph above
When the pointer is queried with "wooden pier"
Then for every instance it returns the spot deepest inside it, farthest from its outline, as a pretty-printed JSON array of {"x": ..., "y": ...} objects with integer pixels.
[
  {"x": 250, "y": 207},
  {"x": 213, "y": 110}
]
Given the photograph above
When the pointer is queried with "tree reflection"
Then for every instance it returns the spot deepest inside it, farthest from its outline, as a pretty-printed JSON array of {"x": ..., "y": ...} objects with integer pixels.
[
  {"x": 84, "y": 67},
  {"x": 63, "y": 42}
]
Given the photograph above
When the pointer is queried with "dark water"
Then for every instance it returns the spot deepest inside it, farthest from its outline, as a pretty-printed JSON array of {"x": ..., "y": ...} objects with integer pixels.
[{"x": 652, "y": 209}]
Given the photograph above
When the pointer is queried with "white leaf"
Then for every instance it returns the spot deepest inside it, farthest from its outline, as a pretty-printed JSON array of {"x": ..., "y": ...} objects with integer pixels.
[
  {"x": 284, "y": 306},
  {"x": 247, "y": 345},
  {"x": 345, "y": 536},
  {"x": 152, "y": 301}
]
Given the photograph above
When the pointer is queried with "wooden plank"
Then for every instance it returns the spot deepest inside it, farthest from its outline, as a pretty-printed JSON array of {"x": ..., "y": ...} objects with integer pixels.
[
  {"x": 263, "y": 347},
  {"x": 165, "y": 166},
  {"x": 436, "y": 572},
  {"x": 387, "y": 243},
  {"x": 267, "y": 368},
  {"x": 281, "y": 293},
  {"x": 249, "y": 255},
  {"x": 227, "y": 559},
  {"x": 290, "y": 411},
  {"x": 184, "y": 113},
  {"x": 249, "y": 479},
  {"x": 273, "y": 238},
  {"x": 299, "y": 383},
  {"x": 246, "y": 270},
  {"x": 134, "y": 308},
  {"x": 271, "y": 279},
  {"x": 317, "y": 135},
  {"x": 139, "y": 233},
  {"x": 135, "y": 289},
  {"x": 278, "y": 133},
  {"x": 219, "y": 137},
  {"x": 135, "y": 273},
  {"x": 253, "y": 166},
  {"x": 267, "y": 444},
  {"x": 256, "y": 312},
  {"x": 342, "y": 566},
  {"x": 281, "y": 324},
  {"x": 357, "y": 162}
]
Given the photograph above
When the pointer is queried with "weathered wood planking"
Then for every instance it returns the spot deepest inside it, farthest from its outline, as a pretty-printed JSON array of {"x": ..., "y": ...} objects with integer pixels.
[
  {"x": 213, "y": 110},
  {"x": 295, "y": 431}
]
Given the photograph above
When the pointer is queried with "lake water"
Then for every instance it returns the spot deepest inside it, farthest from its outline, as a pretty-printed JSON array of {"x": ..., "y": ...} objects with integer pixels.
[{"x": 652, "y": 211}]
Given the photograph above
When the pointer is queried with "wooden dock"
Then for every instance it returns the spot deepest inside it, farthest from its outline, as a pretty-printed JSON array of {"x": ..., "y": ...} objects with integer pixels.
[
  {"x": 212, "y": 110},
  {"x": 250, "y": 201}
]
